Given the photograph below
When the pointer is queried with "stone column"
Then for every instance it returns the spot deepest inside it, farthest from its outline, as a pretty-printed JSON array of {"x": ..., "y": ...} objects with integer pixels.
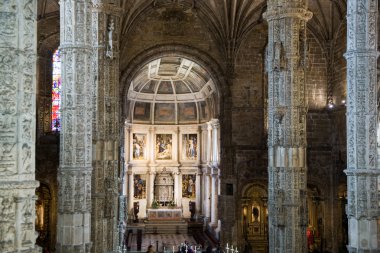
[
  {"x": 286, "y": 63},
  {"x": 215, "y": 142},
  {"x": 362, "y": 123},
  {"x": 203, "y": 141},
  {"x": 199, "y": 147},
  {"x": 127, "y": 143},
  {"x": 176, "y": 187},
  {"x": 214, "y": 199},
  {"x": 207, "y": 198},
  {"x": 43, "y": 92},
  {"x": 106, "y": 123},
  {"x": 75, "y": 167},
  {"x": 151, "y": 188},
  {"x": 17, "y": 125},
  {"x": 152, "y": 133},
  {"x": 198, "y": 192},
  {"x": 130, "y": 191},
  {"x": 209, "y": 143}
]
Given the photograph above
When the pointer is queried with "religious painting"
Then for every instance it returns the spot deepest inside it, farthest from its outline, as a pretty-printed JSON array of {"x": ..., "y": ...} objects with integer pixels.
[
  {"x": 163, "y": 146},
  {"x": 188, "y": 186},
  {"x": 139, "y": 186},
  {"x": 141, "y": 111},
  {"x": 203, "y": 111},
  {"x": 189, "y": 146},
  {"x": 165, "y": 88},
  {"x": 187, "y": 112},
  {"x": 164, "y": 113},
  {"x": 139, "y": 146}
]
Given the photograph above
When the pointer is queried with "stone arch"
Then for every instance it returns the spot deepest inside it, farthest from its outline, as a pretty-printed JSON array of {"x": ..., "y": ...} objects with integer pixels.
[
  {"x": 253, "y": 208},
  {"x": 188, "y": 52}
]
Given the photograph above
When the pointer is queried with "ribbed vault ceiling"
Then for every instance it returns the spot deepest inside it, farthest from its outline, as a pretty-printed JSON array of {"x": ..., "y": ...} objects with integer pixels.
[{"x": 228, "y": 20}]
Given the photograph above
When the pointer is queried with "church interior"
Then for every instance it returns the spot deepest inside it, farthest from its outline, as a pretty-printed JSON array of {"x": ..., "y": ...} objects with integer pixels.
[{"x": 129, "y": 123}]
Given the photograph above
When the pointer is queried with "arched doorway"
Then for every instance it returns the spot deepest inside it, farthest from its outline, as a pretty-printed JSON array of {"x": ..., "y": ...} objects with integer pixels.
[
  {"x": 315, "y": 229},
  {"x": 171, "y": 143},
  {"x": 255, "y": 218}
]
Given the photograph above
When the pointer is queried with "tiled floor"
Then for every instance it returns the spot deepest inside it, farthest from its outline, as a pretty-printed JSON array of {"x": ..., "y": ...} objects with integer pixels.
[{"x": 167, "y": 241}]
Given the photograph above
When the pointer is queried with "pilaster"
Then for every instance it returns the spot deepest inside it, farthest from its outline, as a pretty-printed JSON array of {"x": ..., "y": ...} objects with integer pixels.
[
  {"x": 75, "y": 168},
  {"x": 362, "y": 124},
  {"x": 285, "y": 63},
  {"x": 214, "y": 199}
]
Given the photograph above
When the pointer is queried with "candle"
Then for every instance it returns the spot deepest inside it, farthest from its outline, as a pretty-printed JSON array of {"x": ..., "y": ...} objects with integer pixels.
[{"x": 173, "y": 249}]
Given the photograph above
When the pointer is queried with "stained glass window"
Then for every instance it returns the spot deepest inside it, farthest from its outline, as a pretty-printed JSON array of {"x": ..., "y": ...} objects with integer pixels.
[{"x": 56, "y": 92}]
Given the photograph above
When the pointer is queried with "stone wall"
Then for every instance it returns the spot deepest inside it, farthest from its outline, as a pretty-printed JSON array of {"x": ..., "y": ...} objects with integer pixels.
[{"x": 166, "y": 25}]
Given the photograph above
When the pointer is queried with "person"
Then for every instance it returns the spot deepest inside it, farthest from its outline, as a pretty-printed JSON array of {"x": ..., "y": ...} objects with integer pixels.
[
  {"x": 150, "y": 249},
  {"x": 209, "y": 248}
]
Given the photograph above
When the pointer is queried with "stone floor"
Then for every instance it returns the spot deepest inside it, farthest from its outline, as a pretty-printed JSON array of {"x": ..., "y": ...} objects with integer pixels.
[{"x": 164, "y": 240}]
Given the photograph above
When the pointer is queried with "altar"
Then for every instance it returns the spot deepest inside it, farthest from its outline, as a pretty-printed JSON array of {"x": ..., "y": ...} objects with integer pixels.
[{"x": 173, "y": 214}]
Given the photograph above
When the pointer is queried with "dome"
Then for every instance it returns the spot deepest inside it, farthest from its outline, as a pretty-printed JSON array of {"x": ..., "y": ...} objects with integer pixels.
[{"x": 171, "y": 90}]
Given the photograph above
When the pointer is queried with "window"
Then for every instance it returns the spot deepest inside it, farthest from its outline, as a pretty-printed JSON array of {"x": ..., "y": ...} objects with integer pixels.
[{"x": 56, "y": 92}]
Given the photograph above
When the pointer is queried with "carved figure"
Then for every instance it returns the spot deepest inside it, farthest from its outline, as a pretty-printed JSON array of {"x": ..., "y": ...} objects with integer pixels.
[{"x": 110, "y": 29}]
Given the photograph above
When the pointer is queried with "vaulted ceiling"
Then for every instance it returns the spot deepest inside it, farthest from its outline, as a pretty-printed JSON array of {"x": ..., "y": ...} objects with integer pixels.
[
  {"x": 231, "y": 20},
  {"x": 228, "y": 20}
]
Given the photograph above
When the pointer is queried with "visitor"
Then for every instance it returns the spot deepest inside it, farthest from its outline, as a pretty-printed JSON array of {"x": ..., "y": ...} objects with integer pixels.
[
  {"x": 208, "y": 248},
  {"x": 150, "y": 249}
]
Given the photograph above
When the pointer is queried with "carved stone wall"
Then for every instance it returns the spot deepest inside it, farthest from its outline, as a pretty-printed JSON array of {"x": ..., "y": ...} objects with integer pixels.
[
  {"x": 17, "y": 125},
  {"x": 286, "y": 62},
  {"x": 74, "y": 174},
  {"x": 106, "y": 124},
  {"x": 362, "y": 126}
]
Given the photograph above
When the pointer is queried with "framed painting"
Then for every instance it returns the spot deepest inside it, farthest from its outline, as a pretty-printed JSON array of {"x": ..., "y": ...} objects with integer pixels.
[
  {"x": 139, "y": 186},
  {"x": 189, "y": 146},
  {"x": 188, "y": 186},
  {"x": 164, "y": 146},
  {"x": 139, "y": 146}
]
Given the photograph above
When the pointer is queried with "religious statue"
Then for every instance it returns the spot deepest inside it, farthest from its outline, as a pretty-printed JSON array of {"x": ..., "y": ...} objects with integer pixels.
[
  {"x": 110, "y": 28},
  {"x": 136, "y": 209}
]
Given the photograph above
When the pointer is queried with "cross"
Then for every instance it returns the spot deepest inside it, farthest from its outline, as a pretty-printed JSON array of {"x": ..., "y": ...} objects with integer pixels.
[{"x": 227, "y": 249}]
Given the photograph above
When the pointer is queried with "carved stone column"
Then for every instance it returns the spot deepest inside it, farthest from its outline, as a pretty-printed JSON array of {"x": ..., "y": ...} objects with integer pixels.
[
  {"x": 362, "y": 123},
  {"x": 17, "y": 125},
  {"x": 75, "y": 167},
  {"x": 286, "y": 61},
  {"x": 106, "y": 123}
]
